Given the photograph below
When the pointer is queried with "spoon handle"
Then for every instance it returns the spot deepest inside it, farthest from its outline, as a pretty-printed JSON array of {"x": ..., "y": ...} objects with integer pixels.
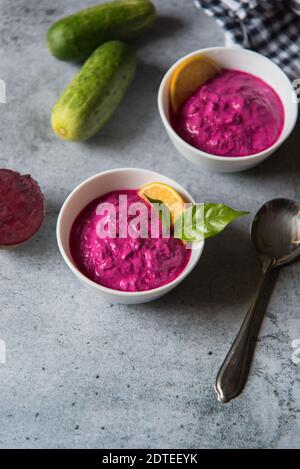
[{"x": 233, "y": 373}]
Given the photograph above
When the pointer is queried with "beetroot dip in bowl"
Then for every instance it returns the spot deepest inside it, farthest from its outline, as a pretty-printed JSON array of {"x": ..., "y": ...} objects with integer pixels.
[
  {"x": 263, "y": 72},
  {"x": 141, "y": 270},
  {"x": 125, "y": 263},
  {"x": 233, "y": 114}
]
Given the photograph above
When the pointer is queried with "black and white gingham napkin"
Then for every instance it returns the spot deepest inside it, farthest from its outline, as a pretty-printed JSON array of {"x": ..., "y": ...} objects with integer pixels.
[{"x": 271, "y": 27}]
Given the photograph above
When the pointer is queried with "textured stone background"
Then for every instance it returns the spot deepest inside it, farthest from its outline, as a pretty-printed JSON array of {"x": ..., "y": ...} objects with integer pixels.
[{"x": 83, "y": 373}]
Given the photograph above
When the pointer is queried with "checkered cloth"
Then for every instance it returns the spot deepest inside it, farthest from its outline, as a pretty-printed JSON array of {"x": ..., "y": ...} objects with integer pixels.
[{"x": 271, "y": 27}]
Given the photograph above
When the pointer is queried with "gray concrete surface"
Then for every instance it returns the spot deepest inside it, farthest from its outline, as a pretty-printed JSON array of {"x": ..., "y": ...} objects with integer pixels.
[{"x": 83, "y": 373}]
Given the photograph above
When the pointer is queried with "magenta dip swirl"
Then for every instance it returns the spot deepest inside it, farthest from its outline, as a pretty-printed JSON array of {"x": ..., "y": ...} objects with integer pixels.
[
  {"x": 126, "y": 264},
  {"x": 233, "y": 114}
]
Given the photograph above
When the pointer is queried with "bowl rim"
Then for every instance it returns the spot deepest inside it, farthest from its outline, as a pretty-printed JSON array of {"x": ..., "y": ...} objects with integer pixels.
[
  {"x": 188, "y": 268},
  {"x": 202, "y": 153}
]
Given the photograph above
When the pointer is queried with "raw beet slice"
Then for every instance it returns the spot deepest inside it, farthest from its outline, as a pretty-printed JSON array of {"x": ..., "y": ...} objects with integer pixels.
[{"x": 22, "y": 208}]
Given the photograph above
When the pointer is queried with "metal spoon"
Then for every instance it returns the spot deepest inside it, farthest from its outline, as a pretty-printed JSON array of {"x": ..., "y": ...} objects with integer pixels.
[{"x": 275, "y": 233}]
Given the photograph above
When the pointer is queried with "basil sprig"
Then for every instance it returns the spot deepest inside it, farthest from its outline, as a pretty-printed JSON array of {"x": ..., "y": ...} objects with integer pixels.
[
  {"x": 212, "y": 220},
  {"x": 204, "y": 220}
]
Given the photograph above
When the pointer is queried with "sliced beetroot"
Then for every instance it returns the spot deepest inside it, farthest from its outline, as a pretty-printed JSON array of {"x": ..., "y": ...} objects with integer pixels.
[{"x": 22, "y": 209}]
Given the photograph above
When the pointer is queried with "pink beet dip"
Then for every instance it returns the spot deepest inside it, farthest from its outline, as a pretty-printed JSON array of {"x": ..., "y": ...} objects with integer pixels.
[
  {"x": 127, "y": 264},
  {"x": 233, "y": 114}
]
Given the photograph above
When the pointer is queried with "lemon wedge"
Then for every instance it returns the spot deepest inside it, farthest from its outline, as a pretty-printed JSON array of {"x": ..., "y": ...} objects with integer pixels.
[
  {"x": 158, "y": 191},
  {"x": 188, "y": 76}
]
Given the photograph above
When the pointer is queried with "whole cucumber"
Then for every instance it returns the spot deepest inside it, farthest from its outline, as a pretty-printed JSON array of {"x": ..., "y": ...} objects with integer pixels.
[
  {"x": 95, "y": 92},
  {"x": 75, "y": 37}
]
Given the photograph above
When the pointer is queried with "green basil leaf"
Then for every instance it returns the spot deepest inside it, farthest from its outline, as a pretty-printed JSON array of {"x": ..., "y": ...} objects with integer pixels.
[
  {"x": 218, "y": 216},
  {"x": 214, "y": 219}
]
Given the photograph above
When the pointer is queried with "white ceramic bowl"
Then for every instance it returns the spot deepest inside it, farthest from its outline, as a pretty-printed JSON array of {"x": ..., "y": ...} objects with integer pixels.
[
  {"x": 247, "y": 61},
  {"x": 100, "y": 184}
]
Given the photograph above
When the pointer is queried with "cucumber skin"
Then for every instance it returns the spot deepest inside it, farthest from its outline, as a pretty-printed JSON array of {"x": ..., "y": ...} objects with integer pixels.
[
  {"x": 75, "y": 37},
  {"x": 95, "y": 92}
]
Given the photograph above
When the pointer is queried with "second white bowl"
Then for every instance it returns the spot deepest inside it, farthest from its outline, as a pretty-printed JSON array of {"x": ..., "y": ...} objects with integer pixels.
[
  {"x": 96, "y": 186},
  {"x": 247, "y": 61}
]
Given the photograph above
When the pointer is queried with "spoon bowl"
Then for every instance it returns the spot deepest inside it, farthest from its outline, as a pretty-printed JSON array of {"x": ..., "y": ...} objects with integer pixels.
[{"x": 275, "y": 231}]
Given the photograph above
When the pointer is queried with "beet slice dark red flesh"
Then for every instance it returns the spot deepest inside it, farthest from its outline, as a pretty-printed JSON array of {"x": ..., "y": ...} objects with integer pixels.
[{"x": 22, "y": 208}]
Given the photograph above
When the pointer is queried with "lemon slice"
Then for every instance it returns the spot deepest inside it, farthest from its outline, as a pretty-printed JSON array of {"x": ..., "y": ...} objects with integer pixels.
[
  {"x": 159, "y": 191},
  {"x": 188, "y": 76}
]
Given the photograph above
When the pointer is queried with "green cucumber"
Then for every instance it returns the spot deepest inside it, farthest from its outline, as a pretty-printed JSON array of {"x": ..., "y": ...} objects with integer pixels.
[
  {"x": 95, "y": 92},
  {"x": 75, "y": 37}
]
